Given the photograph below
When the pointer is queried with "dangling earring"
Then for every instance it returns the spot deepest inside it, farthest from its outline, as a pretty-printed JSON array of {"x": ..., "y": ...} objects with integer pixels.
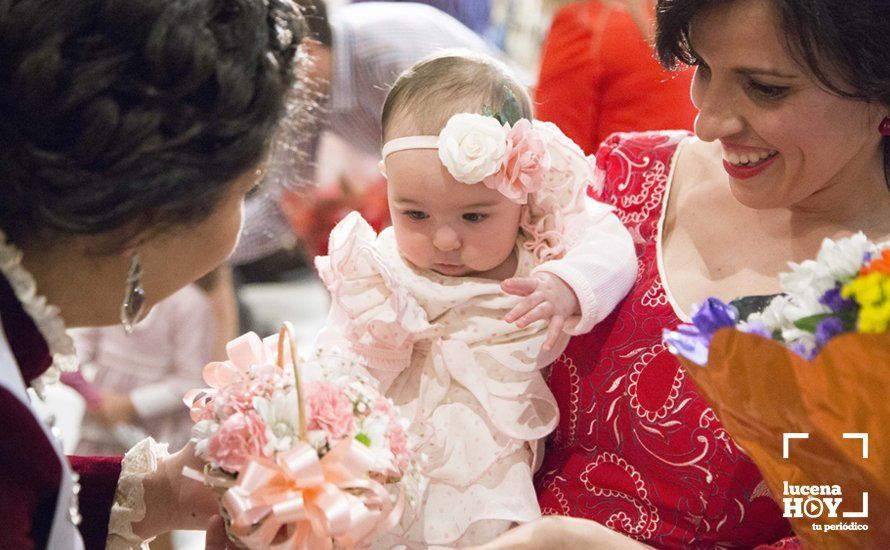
[
  {"x": 134, "y": 297},
  {"x": 884, "y": 127}
]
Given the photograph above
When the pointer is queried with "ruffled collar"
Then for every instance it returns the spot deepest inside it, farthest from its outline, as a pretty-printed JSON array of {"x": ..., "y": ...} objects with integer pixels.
[{"x": 34, "y": 328}]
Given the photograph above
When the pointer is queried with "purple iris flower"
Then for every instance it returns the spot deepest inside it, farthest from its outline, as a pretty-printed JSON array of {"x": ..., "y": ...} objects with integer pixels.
[
  {"x": 692, "y": 340},
  {"x": 832, "y": 299},
  {"x": 712, "y": 315},
  {"x": 827, "y": 329},
  {"x": 687, "y": 341},
  {"x": 755, "y": 327},
  {"x": 801, "y": 349}
]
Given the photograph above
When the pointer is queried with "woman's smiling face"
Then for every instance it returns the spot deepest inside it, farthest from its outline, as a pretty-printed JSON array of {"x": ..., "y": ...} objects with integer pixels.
[{"x": 785, "y": 137}]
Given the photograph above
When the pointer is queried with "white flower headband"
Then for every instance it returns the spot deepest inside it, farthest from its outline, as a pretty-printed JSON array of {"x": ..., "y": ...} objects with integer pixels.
[{"x": 511, "y": 158}]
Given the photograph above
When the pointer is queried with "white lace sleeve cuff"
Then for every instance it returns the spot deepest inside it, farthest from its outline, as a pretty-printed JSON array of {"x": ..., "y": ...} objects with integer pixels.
[{"x": 129, "y": 502}]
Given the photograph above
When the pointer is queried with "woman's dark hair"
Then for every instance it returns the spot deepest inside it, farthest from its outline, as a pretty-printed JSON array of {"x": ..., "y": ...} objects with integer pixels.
[
  {"x": 315, "y": 12},
  {"x": 122, "y": 115},
  {"x": 844, "y": 43}
]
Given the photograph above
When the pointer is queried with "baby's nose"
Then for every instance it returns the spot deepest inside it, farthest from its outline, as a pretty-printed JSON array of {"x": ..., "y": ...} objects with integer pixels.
[{"x": 446, "y": 239}]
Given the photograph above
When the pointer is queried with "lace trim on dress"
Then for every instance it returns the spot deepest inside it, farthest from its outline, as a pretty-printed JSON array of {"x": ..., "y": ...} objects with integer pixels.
[
  {"x": 46, "y": 316},
  {"x": 129, "y": 501}
]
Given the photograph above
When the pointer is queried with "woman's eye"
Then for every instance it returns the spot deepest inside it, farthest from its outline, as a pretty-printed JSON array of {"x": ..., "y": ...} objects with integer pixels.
[
  {"x": 474, "y": 217},
  {"x": 766, "y": 91},
  {"x": 416, "y": 215}
]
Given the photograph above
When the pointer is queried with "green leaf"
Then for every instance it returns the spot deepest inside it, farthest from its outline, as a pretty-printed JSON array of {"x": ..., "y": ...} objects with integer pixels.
[
  {"x": 510, "y": 112},
  {"x": 810, "y": 323},
  {"x": 847, "y": 317},
  {"x": 364, "y": 439}
]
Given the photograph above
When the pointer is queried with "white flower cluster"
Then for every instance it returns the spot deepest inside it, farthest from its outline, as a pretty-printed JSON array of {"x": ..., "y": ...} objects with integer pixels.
[{"x": 807, "y": 282}]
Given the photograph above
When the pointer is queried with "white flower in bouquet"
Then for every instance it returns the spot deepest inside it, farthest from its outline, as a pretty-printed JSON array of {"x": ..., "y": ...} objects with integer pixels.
[
  {"x": 843, "y": 258},
  {"x": 773, "y": 315},
  {"x": 279, "y": 413},
  {"x": 202, "y": 431},
  {"x": 805, "y": 284},
  {"x": 375, "y": 427}
]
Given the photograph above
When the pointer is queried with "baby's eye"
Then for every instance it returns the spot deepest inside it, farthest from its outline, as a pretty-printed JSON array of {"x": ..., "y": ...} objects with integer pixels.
[
  {"x": 416, "y": 215},
  {"x": 474, "y": 217}
]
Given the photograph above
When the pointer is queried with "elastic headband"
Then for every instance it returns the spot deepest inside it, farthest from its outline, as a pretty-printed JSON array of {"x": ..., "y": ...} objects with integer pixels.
[{"x": 409, "y": 142}]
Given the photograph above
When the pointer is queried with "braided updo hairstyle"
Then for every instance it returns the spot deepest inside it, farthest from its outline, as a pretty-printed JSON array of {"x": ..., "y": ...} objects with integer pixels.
[{"x": 135, "y": 115}]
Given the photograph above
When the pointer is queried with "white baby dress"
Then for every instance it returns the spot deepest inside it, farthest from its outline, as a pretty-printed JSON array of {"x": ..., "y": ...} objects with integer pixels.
[{"x": 469, "y": 383}]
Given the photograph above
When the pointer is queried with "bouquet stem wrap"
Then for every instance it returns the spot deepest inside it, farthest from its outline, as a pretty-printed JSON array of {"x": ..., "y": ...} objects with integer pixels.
[{"x": 760, "y": 390}]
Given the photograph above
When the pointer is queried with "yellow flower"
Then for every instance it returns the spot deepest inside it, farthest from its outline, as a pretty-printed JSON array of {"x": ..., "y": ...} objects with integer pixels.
[{"x": 872, "y": 292}]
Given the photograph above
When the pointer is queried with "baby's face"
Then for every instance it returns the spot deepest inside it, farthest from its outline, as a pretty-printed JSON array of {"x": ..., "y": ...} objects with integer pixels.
[{"x": 446, "y": 226}]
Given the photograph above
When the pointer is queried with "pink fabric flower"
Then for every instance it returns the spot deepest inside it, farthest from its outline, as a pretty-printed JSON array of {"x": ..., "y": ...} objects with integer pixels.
[
  {"x": 525, "y": 164},
  {"x": 240, "y": 436},
  {"x": 329, "y": 409}
]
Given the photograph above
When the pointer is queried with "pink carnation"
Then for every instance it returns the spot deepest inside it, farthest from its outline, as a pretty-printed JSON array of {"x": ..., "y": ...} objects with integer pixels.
[
  {"x": 240, "y": 436},
  {"x": 329, "y": 409},
  {"x": 398, "y": 444},
  {"x": 525, "y": 164},
  {"x": 235, "y": 398}
]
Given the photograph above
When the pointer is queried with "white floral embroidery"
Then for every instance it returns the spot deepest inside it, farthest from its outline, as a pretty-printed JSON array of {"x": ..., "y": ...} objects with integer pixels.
[{"x": 46, "y": 316}]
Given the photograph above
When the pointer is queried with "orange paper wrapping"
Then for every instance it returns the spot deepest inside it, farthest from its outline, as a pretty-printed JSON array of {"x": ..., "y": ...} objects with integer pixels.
[{"x": 760, "y": 390}]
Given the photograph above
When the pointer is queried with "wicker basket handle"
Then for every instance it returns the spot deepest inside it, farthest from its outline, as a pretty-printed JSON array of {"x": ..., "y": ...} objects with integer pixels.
[{"x": 286, "y": 334}]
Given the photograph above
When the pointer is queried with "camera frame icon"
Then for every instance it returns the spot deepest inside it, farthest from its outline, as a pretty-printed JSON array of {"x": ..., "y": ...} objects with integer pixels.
[{"x": 786, "y": 440}]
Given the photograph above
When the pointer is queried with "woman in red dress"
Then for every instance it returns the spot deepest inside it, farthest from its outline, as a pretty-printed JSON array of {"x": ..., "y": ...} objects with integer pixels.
[
  {"x": 598, "y": 75},
  {"x": 788, "y": 150},
  {"x": 131, "y": 132}
]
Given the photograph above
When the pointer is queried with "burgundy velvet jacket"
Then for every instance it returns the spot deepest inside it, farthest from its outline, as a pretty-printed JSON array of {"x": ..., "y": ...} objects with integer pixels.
[{"x": 30, "y": 472}]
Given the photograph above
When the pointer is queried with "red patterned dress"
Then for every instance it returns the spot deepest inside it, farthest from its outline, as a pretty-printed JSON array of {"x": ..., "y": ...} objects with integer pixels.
[{"x": 637, "y": 449}]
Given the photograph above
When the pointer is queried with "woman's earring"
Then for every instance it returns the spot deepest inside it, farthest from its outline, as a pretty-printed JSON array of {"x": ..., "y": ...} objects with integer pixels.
[
  {"x": 134, "y": 297},
  {"x": 884, "y": 127}
]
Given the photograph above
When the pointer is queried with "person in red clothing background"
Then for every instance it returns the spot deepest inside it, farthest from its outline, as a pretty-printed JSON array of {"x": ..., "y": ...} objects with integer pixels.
[
  {"x": 599, "y": 74},
  {"x": 131, "y": 133}
]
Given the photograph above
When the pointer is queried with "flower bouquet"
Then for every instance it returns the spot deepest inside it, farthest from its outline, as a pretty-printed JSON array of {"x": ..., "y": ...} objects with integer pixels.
[
  {"x": 815, "y": 363},
  {"x": 298, "y": 461}
]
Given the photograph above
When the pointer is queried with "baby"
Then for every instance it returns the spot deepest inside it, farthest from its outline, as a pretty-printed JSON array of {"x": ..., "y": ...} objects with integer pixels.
[{"x": 495, "y": 257}]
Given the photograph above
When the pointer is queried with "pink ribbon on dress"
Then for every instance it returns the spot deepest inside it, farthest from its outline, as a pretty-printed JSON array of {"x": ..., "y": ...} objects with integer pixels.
[{"x": 316, "y": 500}]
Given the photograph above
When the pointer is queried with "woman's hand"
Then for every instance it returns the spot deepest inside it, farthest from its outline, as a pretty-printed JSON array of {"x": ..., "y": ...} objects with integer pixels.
[
  {"x": 546, "y": 297},
  {"x": 173, "y": 501},
  {"x": 561, "y": 531},
  {"x": 217, "y": 539}
]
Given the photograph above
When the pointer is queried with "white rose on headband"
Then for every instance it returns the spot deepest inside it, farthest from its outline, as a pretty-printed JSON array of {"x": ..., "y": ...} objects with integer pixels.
[{"x": 472, "y": 146}]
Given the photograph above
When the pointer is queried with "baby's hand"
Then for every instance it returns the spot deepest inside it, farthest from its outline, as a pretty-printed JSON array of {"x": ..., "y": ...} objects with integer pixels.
[{"x": 546, "y": 297}]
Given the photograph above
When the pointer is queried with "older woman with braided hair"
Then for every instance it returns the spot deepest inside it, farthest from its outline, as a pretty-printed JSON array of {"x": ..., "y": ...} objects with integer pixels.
[{"x": 131, "y": 133}]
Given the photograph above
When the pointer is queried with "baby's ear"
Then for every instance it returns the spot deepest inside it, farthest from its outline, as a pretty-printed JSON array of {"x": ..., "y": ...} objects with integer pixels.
[{"x": 382, "y": 166}]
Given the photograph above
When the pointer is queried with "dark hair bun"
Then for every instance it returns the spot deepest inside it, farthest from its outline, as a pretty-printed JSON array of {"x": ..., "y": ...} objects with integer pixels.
[{"x": 114, "y": 112}]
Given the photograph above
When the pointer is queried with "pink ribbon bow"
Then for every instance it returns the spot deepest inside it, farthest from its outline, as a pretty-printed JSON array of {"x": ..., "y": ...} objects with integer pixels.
[
  {"x": 316, "y": 502},
  {"x": 244, "y": 351}
]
